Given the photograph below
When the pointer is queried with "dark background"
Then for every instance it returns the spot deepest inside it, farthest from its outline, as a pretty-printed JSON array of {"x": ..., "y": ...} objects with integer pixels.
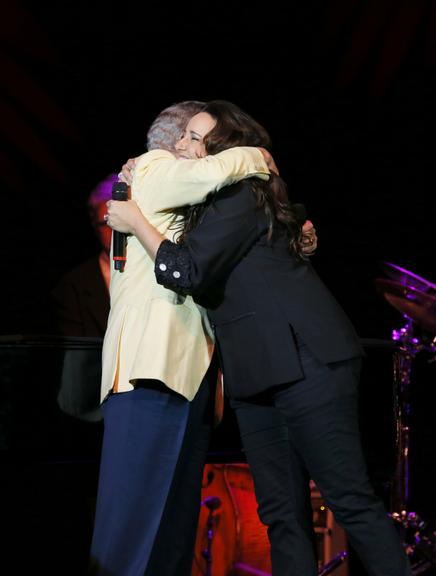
[{"x": 347, "y": 89}]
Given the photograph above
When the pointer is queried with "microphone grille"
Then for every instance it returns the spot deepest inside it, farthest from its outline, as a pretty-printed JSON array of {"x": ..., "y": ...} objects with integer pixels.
[{"x": 119, "y": 191}]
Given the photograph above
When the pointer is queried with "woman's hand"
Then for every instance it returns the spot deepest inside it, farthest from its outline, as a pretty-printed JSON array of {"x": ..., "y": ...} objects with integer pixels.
[
  {"x": 309, "y": 239},
  {"x": 123, "y": 216},
  {"x": 272, "y": 167},
  {"x": 127, "y": 217},
  {"x": 126, "y": 174}
]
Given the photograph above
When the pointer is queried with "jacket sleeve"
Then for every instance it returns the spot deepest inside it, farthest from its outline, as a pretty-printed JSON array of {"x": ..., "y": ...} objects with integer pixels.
[
  {"x": 182, "y": 182},
  {"x": 229, "y": 227}
]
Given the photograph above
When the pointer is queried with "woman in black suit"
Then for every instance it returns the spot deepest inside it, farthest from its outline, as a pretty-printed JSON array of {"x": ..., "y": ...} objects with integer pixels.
[{"x": 289, "y": 355}]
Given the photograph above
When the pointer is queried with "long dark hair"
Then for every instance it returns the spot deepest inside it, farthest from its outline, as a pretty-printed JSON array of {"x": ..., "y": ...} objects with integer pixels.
[{"x": 234, "y": 127}]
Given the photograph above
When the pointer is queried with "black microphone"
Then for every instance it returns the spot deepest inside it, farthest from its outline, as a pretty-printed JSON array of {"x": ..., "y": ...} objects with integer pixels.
[{"x": 119, "y": 239}]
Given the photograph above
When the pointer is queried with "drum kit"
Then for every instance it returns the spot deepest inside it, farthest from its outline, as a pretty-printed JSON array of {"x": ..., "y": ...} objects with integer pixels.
[{"x": 415, "y": 298}]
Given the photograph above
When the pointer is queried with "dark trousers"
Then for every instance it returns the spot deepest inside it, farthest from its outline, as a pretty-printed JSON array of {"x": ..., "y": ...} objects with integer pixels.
[
  {"x": 154, "y": 448},
  {"x": 321, "y": 435},
  {"x": 173, "y": 550}
]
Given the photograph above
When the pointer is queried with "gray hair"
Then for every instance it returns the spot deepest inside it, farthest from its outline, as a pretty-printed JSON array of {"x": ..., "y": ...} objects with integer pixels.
[{"x": 168, "y": 126}]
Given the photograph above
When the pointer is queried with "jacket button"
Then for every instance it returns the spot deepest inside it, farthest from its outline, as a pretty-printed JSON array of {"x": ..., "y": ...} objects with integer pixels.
[
  {"x": 162, "y": 267},
  {"x": 176, "y": 274}
]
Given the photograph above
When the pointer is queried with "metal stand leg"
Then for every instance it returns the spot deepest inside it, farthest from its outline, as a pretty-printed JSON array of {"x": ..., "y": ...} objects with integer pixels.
[
  {"x": 212, "y": 503},
  {"x": 420, "y": 547}
]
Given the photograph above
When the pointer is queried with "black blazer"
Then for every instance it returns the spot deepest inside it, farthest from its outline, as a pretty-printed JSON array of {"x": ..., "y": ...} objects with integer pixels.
[{"x": 257, "y": 295}]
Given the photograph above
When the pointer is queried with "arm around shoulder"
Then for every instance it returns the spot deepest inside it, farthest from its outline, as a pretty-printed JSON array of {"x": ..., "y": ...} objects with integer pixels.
[
  {"x": 181, "y": 182},
  {"x": 229, "y": 227}
]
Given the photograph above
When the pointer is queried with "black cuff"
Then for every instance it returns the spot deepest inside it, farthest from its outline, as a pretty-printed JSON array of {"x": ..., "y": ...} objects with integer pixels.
[{"x": 172, "y": 267}]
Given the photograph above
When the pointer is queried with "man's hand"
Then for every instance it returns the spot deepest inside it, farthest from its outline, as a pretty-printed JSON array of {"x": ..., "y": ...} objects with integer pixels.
[
  {"x": 308, "y": 239},
  {"x": 272, "y": 167},
  {"x": 126, "y": 174}
]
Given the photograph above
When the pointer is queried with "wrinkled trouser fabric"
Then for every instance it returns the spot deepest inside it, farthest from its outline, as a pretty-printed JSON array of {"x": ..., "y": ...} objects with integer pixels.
[
  {"x": 154, "y": 449},
  {"x": 317, "y": 430}
]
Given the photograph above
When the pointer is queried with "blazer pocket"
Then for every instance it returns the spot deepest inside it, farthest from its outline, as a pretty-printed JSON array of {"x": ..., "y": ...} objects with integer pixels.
[{"x": 235, "y": 319}]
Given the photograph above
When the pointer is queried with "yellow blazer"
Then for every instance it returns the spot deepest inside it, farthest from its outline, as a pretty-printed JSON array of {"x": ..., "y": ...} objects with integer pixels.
[{"x": 153, "y": 332}]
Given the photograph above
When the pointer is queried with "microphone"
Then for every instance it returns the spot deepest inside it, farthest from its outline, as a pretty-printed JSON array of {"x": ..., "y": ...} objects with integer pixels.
[{"x": 119, "y": 239}]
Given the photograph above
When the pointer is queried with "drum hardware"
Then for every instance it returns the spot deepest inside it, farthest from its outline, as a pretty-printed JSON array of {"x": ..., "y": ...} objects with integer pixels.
[
  {"x": 420, "y": 543},
  {"x": 212, "y": 503},
  {"x": 415, "y": 298},
  {"x": 414, "y": 304},
  {"x": 407, "y": 278},
  {"x": 333, "y": 564},
  {"x": 229, "y": 524},
  {"x": 328, "y": 568}
]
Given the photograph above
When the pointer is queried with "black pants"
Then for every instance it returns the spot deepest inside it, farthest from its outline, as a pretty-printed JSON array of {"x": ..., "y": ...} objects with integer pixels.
[{"x": 321, "y": 435}]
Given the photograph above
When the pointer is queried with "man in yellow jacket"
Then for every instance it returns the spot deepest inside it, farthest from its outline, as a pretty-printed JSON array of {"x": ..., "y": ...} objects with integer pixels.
[{"x": 158, "y": 374}]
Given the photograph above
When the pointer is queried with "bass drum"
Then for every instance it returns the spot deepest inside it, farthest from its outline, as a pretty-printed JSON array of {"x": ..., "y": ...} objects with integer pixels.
[{"x": 239, "y": 542}]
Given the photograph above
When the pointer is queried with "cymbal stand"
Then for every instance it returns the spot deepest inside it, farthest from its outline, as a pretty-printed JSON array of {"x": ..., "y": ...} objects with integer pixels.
[
  {"x": 408, "y": 348},
  {"x": 333, "y": 564},
  {"x": 417, "y": 543}
]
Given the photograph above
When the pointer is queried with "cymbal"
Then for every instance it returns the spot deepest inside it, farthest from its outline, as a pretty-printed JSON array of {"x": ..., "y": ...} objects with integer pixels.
[
  {"x": 407, "y": 278},
  {"x": 416, "y": 305}
]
